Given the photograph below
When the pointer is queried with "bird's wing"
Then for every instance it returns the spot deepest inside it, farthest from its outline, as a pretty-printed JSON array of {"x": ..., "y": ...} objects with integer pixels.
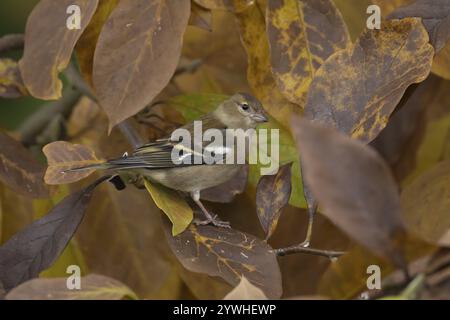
[{"x": 166, "y": 153}]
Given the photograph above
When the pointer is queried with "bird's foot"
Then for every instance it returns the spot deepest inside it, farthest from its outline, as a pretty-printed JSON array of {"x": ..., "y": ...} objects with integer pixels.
[{"x": 214, "y": 220}]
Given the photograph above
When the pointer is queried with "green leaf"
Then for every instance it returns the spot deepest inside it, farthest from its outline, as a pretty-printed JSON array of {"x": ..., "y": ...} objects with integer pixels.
[{"x": 176, "y": 209}]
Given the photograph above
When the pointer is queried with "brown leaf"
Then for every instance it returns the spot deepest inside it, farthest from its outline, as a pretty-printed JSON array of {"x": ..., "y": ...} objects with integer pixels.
[
  {"x": 441, "y": 63},
  {"x": 231, "y": 5},
  {"x": 435, "y": 16},
  {"x": 302, "y": 35},
  {"x": 93, "y": 287},
  {"x": 227, "y": 191},
  {"x": 200, "y": 17},
  {"x": 19, "y": 170},
  {"x": 36, "y": 247},
  {"x": 245, "y": 291},
  {"x": 49, "y": 45},
  {"x": 347, "y": 276},
  {"x": 85, "y": 47},
  {"x": 357, "y": 89},
  {"x": 354, "y": 187},
  {"x": 62, "y": 155},
  {"x": 426, "y": 203},
  {"x": 121, "y": 237},
  {"x": 137, "y": 54},
  {"x": 252, "y": 26},
  {"x": 272, "y": 195},
  {"x": 228, "y": 254},
  {"x": 11, "y": 84}
]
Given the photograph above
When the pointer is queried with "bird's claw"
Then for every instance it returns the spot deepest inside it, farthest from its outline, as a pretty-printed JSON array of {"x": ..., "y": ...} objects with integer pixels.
[{"x": 214, "y": 220}]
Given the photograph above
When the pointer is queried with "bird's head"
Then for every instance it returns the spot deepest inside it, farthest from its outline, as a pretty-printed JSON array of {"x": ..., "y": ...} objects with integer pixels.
[{"x": 241, "y": 111}]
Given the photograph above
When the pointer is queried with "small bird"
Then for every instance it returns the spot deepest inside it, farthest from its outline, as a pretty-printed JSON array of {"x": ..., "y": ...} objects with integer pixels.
[{"x": 155, "y": 161}]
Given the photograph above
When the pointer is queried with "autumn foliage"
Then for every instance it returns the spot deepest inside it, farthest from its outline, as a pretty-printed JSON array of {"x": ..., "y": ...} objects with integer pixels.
[{"x": 364, "y": 123}]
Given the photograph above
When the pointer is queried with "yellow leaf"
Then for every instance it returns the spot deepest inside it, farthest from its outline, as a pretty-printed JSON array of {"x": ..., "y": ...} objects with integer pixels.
[{"x": 176, "y": 209}]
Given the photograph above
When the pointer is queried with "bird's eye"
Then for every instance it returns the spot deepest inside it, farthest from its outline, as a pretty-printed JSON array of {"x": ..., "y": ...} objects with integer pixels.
[{"x": 245, "y": 106}]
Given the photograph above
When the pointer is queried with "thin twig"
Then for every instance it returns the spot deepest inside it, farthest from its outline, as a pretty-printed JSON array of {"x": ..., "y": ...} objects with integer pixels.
[
  {"x": 189, "y": 68},
  {"x": 300, "y": 249},
  {"x": 39, "y": 120},
  {"x": 11, "y": 42}
]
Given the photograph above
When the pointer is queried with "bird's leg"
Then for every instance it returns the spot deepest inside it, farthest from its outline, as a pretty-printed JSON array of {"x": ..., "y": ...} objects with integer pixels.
[
  {"x": 311, "y": 214},
  {"x": 210, "y": 219}
]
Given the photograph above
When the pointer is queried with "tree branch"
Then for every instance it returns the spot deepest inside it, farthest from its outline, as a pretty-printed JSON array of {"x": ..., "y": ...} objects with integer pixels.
[
  {"x": 11, "y": 42},
  {"x": 300, "y": 249}
]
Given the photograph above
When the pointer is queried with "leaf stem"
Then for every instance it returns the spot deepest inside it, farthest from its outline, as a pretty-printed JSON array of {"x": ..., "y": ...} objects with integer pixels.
[{"x": 301, "y": 249}]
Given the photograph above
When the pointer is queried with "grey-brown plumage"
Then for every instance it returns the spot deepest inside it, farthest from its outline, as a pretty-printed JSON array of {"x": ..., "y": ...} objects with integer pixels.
[{"x": 155, "y": 160}]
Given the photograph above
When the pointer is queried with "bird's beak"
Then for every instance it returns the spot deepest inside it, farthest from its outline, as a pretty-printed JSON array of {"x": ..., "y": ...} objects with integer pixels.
[{"x": 260, "y": 117}]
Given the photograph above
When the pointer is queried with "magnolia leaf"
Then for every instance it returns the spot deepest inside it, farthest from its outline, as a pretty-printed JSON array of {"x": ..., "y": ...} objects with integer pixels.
[
  {"x": 173, "y": 205},
  {"x": 441, "y": 63},
  {"x": 245, "y": 291},
  {"x": 426, "y": 203},
  {"x": 200, "y": 17},
  {"x": 19, "y": 170},
  {"x": 85, "y": 47},
  {"x": 353, "y": 186},
  {"x": 252, "y": 26},
  {"x": 229, "y": 254},
  {"x": 193, "y": 106},
  {"x": 49, "y": 43},
  {"x": 358, "y": 88},
  {"x": 231, "y": 5},
  {"x": 62, "y": 156},
  {"x": 37, "y": 246},
  {"x": 435, "y": 16},
  {"x": 272, "y": 195},
  {"x": 137, "y": 54},
  {"x": 122, "y": 233},
  {"x": 302, "y": 35},
  {"x": 11, "y": 84},
  {"x": 93, "y": 287}
]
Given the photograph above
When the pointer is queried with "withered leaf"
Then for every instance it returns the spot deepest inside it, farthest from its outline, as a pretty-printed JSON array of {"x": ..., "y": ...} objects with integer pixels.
[
  {"x": 358, "y": 88},
  {"x": 272, "y": 195},
  {"x": 435, "y": 16},
  {"x": 137, "y": 54},
  {"x": 441, "y": 63},
  {"x": 226, "y": 191},
  {"x": 426, "y": 203},
  {"x": 231, "y": 5},
  {"x": 19, "y": 170},
  {"x": 173, "y": 205},
  {"x": 200, "y": 17},
  {"x": 49, "y": 44},
  {"x": 93, "y": 287},
  {"x": 62, "y": 156},
  {"x": 36, "y": 247},
  {"x": 245, "y": 291},
  {"x": 252, "y": 26},
  {"x": 229, "y": 254},
  {"x": 11, "y": 84},
  {"x": 85, "y": 47},
  {"x": 121, "y": 237},
  {"x": 302, "y": 35},
  {"x": 353, "y": 186}
]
